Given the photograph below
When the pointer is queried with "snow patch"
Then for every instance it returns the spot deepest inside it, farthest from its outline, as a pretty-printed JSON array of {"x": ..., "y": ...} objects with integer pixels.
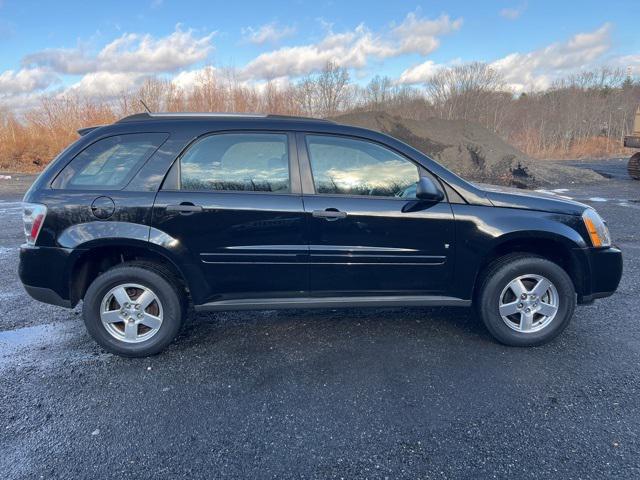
[{"x": 10, "y": 207}]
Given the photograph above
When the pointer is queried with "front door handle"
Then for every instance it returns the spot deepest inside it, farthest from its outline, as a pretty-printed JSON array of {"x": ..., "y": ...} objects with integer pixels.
[
  {"x": 329, "y": 214},
  {"x": 185, "y": 208}
]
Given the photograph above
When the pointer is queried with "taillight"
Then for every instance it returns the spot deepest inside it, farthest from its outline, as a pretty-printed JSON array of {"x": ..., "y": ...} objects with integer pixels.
[{"x": 33, "y": 215}]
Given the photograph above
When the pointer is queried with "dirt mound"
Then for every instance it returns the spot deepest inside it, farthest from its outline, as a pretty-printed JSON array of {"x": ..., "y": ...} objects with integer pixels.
[{"x": 471, "y": 151}]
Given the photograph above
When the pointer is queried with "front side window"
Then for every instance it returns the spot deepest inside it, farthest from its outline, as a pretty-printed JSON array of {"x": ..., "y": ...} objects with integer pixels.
[
  {"x": 347, "y": 166},
  {"x": 237, "y": 162},
  {"x": 109, "y": 163}
]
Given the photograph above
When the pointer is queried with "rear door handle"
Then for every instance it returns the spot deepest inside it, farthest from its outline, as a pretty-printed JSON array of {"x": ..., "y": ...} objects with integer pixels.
[
  {"x": 329, "y": 214},
  {"x": 185, "y": 208}
]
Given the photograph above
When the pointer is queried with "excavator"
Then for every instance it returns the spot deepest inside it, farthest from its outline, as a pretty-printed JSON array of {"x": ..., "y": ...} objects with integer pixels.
[{"x": 633, "y": 141}]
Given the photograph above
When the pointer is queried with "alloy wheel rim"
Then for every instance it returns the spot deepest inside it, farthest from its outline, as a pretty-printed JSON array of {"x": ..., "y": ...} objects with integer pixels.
[
  {"x": 131, "y": 313},
  {"x": 528, "y": 303}
]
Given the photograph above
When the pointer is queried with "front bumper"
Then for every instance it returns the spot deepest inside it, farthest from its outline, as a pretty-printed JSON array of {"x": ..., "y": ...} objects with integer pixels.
[
  {"x": 44, "y": 274},
  {"x": 605, "y": 272}
]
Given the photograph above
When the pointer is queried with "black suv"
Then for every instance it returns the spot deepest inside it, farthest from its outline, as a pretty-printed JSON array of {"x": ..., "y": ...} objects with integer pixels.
[{"x": 155, "y": 214}]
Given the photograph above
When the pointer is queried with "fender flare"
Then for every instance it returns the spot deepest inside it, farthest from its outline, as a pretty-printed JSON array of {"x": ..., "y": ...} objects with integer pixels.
[{"x": 82, "y": 239}]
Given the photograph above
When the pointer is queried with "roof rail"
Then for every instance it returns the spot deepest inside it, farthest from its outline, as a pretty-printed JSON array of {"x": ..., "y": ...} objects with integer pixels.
[
  {"x": 296, "y": 117},
  {"x": 138, "y": 117},
  {"x": 149, "y": 116}
]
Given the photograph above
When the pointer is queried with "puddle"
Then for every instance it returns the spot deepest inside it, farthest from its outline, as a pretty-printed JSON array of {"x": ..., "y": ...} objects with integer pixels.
[
  {"x": 38, "y": 335},
  {"x": 45, "y": 345},
  {"x": 24, "y": 346}
]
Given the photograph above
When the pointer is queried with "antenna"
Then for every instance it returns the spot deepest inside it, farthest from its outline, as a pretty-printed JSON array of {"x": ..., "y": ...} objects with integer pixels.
[{"x": 145, "y": 106}]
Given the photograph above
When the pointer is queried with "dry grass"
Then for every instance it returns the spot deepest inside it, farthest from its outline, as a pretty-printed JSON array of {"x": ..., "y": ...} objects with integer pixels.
[{"x": 590, "y": 147}]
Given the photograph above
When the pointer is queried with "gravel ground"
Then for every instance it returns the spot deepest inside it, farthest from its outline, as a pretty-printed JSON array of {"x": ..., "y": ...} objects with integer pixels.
[{"x": 386, "y": 393}]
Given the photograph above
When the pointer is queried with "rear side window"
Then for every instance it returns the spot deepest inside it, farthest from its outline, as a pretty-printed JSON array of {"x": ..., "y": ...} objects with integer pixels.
[
  {"x": 253, "y": 162},
  {"x": 109, "y": 164}
]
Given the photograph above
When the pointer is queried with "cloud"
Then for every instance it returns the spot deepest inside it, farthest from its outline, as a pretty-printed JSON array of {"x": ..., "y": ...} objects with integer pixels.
[
  {"x": 131, "y": 52},
  {"x": 21, "y": 103},
  {"x": 121, "y": 65},
  {"x": 353, "y": 49},
  {"x": 268, "y": 33},
  {"x": 513, "y": 13},
  {"x": 419, "y": 73},
  {"x": 419, "y": 35},
  {"x": 350, "y": 50},
  {"x": 26, "y": 80},
  {"x": 106, "y": 84},
  {"x": 537, "y": 69},
  {"x": 190, "y": 78},
  {"x": 125, "y": 62},
  {"x": 629, "y": 63}
]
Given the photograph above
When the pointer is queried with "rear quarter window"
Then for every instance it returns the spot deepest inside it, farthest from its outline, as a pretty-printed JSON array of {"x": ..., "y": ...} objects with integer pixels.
[{"x": 109, "y": 163}]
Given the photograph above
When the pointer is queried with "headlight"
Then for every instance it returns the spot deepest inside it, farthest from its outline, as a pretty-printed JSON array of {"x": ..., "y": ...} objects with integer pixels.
[{"x": 598, "y": 231}]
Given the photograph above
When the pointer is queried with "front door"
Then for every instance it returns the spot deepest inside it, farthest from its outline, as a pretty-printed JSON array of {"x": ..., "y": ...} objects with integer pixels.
[
  {"x": 368, "y": 234},
  {"x": 232, "y": 203}
]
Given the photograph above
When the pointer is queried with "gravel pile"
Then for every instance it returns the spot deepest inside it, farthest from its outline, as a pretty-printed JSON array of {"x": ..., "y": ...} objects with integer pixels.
[{"x": 472, "y": 151}]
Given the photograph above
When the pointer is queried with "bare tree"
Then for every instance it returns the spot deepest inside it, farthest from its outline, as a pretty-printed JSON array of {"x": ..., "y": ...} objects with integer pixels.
[
  {"x": 379, "y": 91},
  {"x": 473, "y": 91},
  {"x": 332, "y": 89},
  {"x": 305, "y": 95},
  {"x": 585, "y": 114}
]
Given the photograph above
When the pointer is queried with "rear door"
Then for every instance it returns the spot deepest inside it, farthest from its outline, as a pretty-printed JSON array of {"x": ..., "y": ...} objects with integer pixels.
[
  {"x": 233, "y": 202},
  {"x": 369, "y": 235}
]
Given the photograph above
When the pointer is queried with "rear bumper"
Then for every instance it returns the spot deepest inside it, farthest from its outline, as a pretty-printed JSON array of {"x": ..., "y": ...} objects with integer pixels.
[
  {"x": 605, "y": 272},
  {"x": 44, "y": 274},
  {"x": 47, "y": 295}
]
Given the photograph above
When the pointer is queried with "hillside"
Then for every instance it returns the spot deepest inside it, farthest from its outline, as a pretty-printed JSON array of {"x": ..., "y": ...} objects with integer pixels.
[{"x": 471, "y": 151}]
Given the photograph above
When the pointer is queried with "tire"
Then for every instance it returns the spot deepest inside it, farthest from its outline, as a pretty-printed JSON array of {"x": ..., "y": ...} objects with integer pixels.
[
  {"x": 497, "y": 296},
  {"x": 138, "y": 330},
  {"x": 634, "y": 166}
]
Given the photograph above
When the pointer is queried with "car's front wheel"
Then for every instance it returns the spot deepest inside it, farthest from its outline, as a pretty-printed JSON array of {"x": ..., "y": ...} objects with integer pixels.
[
  {"x": 526, "y": 300},
  {"x": 133, "y": 309}
]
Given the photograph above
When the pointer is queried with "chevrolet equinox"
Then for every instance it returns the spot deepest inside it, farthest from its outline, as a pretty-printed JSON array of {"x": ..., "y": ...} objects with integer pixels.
[{"x": 157, "y": 214}]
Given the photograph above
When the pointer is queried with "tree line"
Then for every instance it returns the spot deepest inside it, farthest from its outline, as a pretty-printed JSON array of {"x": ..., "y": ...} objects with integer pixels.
[{"x": 582, "y": 115}]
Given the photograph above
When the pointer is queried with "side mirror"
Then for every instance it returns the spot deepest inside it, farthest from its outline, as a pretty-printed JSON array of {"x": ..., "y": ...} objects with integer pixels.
[{"x": 427, "y": 190}]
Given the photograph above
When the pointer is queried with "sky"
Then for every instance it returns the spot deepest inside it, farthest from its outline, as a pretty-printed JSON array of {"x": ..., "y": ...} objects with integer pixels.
[{"x": 102, "y": 48}]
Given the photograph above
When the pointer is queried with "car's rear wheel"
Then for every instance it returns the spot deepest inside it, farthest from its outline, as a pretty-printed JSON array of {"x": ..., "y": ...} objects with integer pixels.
[
  {"x": 526, "y": 300},
  {"x": 134, "y": 309}
]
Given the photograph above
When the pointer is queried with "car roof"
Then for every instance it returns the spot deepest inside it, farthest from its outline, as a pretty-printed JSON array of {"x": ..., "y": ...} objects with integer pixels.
[
  {"x": 185, "y": 127},
  {"x": 212, "y": 116}
]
